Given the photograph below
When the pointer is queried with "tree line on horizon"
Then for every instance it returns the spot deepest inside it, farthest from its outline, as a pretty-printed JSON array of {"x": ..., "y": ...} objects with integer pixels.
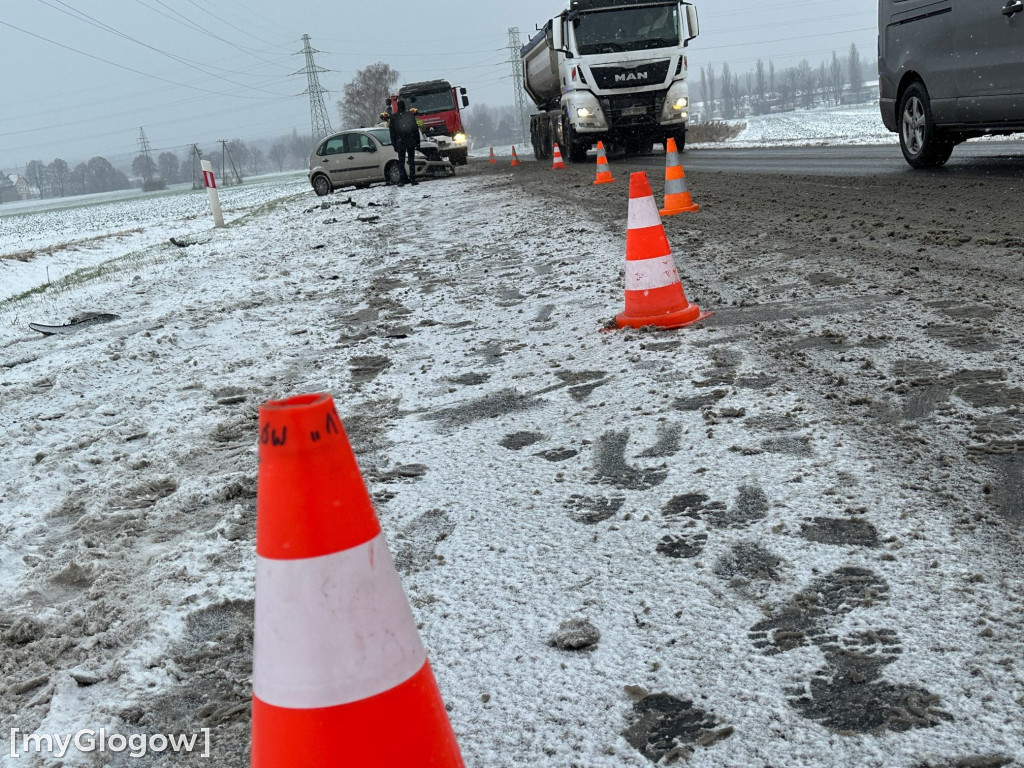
[
  {"x": 154, "y": 171},
  {"x": 728, "y": 95}
]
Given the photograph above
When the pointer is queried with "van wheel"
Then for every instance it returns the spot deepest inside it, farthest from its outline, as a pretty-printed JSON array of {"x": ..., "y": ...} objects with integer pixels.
[
  {"x": 393, "y": 173},
  {"x": 923, "y": 145},
  {"x": 321, "y": 185}
]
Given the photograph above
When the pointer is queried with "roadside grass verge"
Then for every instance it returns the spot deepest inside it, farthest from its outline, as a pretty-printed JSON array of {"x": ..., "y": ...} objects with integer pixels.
[{"x": 713, "y": 131}]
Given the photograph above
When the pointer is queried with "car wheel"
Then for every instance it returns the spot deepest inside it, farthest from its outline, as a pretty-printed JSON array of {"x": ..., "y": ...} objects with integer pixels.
[
  {"x": 392, "y": 173},
  {"x": 923, "y": 144},
  {"x": 321, "y": 185}
]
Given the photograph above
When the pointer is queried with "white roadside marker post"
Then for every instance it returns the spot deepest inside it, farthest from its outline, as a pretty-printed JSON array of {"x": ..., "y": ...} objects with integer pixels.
[{"x": 211, "y": 188}]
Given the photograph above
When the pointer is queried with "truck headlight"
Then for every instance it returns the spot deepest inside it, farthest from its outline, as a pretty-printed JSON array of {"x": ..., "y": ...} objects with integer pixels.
[
  {"x": 681, "y": 104},
  {"x": 459, "y": 138},
  {"x": 584, "y": 112}
]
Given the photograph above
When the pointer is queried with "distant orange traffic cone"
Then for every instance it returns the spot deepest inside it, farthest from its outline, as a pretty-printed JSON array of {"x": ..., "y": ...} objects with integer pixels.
[
  {"x": 677, "y": 191},
  {"x": 515, "y": 158},
  {"x": 654, "y": 293},
  {"x": 604, "y": 174},
  {"x": 493, "y": 159},
  {"x": 340, "y": 676},
  {"x": 558, "y": 165}
]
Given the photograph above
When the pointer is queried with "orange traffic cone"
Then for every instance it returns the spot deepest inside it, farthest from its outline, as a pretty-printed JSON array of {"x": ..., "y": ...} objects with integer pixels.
[
  {"x": 654, "y": 293},
  {"x": 340, "y": 676},
  {"x": 677, "y": 192},
  {"x": 558, "y": 165},
  {"x": 515, "y": 158},
  {"x": 493, "y": 159},
  {"x": 604, "y": 175}
]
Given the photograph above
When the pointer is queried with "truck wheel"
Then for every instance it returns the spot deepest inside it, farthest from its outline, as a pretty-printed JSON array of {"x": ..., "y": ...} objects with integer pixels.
[
  {"x": 321, "y": 185},
  {"x": 459, "y": 157},
  {"x": 575, "y": 150},
  {"x": 923, "y": 144}
]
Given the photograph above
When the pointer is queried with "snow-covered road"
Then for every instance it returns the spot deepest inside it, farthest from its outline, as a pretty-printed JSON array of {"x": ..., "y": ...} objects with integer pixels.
[{"x": 774, "y": 581}]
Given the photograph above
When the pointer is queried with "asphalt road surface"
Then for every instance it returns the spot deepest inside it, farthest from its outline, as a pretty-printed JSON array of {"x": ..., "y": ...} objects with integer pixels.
[{"x": 986, "y": 159}]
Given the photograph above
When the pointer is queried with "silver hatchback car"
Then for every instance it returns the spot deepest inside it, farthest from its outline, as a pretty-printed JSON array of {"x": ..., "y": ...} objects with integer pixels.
[{"x": 362, "y": 156}]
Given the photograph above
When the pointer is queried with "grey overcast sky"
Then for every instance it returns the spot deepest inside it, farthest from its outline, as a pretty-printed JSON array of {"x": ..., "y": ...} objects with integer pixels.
[{"x": 82, "y": 76}]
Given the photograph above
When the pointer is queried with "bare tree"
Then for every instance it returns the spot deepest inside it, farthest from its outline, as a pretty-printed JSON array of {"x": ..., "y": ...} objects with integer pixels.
[
  {"x": 59, "y": 175},
  {"x": 761, "y": 82},
  {"x": 279, "y": 154},
  {"x": 366, "y": 94},
  {"x": 711, "y": 92},
  {"x": 855, "y": 69},
  {"x": 144, "y": 167},
  {"x": 34, "y": 175},
  {"x": 169, "y": 167},
  {"x": 771, "y": 76},
  {"x": 728, "y": 94},
  {"x": 835, "y": 79},
  {"x": 704, "y": 100},
  {"x": 805, "y": 82}
]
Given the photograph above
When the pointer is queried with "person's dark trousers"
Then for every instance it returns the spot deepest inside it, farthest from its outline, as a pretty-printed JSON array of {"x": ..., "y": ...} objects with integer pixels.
[{"x": 407, "y": 157}]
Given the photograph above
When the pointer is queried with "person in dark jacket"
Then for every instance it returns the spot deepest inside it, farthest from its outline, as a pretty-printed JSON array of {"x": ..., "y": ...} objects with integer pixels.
[{"x": 405, "y": 137}]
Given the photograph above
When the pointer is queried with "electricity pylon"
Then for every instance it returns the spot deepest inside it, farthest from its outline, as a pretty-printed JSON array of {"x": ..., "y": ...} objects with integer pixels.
[
  {"x": 147, "y": 171},
  {"x": 515, "y": 59},
  {"x": 319, "y": 122}
]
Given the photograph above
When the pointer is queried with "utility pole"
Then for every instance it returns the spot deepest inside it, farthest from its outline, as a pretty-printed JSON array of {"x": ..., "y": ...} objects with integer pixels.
[
  {"x": 223, "y": 167},
  {"x": 514, "y": 47},
  {"x": 319, "y": 121}
]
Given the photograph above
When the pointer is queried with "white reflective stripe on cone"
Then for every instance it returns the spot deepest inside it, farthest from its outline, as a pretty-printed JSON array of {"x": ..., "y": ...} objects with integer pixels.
[
  {"x": 643, "y": 212},
  {"x": 332, "y": 630},
  {"x": 647, "y": 274}
]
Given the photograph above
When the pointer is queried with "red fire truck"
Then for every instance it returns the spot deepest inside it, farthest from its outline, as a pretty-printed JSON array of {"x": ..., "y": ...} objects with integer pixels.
[{"x": 439, "y": 106}]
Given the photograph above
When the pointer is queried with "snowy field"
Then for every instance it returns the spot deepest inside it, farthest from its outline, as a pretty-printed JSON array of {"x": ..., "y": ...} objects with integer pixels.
[
  {"x": 853, "y": 124},
  {"x": 527, "y": 469},
  {"x": 49, "y": 239}
]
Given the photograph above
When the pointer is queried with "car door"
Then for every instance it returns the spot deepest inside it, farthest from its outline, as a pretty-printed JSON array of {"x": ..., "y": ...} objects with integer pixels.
[
  {"x": 989, "y": 39},
  {"x": 364, "y": 159},
  {"x": 332, "y": 156}
]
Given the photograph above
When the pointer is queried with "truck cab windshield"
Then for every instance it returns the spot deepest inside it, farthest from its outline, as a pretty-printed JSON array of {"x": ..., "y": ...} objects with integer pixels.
[
  {"x": 428, "y": 103},
  {"x": 633, "y": 29}
]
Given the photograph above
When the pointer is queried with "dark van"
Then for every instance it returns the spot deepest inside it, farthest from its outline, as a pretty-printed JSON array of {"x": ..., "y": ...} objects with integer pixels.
[{"x": 948, "y": 71}]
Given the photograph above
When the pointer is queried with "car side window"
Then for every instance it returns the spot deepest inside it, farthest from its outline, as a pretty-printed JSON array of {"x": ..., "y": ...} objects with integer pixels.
[
  {"x": 332, "y": 146},
  {"x": 365, "y": 143}
]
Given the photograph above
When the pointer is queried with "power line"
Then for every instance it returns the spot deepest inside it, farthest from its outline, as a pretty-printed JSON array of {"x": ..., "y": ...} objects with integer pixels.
[
  {"x": 80, "y": 16},
  {"x": 122, "y": 66}
]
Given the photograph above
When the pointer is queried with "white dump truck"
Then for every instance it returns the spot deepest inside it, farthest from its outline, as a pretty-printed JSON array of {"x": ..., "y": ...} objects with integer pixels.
[{"x": 610, "y": 70}]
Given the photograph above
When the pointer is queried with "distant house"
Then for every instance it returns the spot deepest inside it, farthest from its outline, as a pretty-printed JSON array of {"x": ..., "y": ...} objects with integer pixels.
[
  {"x": 865, "y": 92},
  {"x": 21, "y": 186}
]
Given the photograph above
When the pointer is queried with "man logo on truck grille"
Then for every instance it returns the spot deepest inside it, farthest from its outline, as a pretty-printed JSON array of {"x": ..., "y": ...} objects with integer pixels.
[{"x": 631, "y": 76}]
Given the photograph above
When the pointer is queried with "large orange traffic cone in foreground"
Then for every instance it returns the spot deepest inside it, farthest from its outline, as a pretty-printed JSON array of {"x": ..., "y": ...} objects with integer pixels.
[
  {"x": 493, "y": 159},
  {"x": 557, "y": 165},
  {"x": 677, "y": 192},
  {"x": 654, "y": 293},
  {"x": 340, "y": 676},
  {"x": 515, "y": 158},
  {"x": 604, "y": 175}
]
